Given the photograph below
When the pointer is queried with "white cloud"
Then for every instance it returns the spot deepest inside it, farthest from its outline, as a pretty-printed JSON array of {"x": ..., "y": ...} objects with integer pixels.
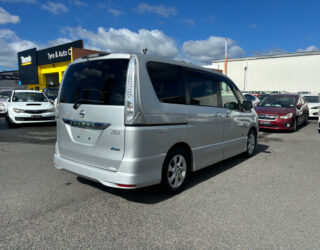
[
  {"x": 204, "y": 51},
  {"x": 188, "y": 22},
  {"x": 10, "y": 44},
  {"x": 115, "y": 12},
  {"x": 55, "y": 8},
  {"x": 310, "y": 48},
  {"x": 58, "y": 41},
  {"x": 161, "y": 10},
  {"x": 78, "y": 3},
  {"x": 125, "y": 40},
  {"x": 6, "y": 17}
]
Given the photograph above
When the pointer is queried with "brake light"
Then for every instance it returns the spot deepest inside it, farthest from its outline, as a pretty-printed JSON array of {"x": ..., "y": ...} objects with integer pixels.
[
  {"x": 132, "y": 112},
  {"x": 130, "y": 89}
]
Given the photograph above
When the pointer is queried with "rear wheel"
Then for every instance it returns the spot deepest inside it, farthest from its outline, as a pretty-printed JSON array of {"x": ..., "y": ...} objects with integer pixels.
[
  {"x": 251, "y": 143},
  {"x": 175, "y": 170}
]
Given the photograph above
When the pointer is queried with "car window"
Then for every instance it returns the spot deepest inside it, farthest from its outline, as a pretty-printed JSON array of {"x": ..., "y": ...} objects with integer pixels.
[
  {"x": 29, "y": 97},
  {"x": 228, "y": 98},
  {"x": 203, "y": 90},
  {"x": 312, "y": 99},
  {"x": 167, "y": 82},
  {"x": 249, "y": 97},
  {"x": 278, "y": 102},
  {"x": 98, "y": 82},
  {"x": 5, "y": 94}
]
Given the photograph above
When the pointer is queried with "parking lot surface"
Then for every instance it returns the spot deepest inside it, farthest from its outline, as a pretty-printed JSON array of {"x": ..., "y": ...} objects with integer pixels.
[{"x": 270, "y": 201}]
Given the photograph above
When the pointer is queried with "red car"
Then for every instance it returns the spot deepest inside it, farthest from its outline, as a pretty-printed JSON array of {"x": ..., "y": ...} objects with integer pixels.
[{"x": 282, "y": 112}]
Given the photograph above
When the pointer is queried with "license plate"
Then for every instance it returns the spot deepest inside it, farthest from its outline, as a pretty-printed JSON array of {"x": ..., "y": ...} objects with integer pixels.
[
  {"x": 264, "y": 123},
  {"x": 36, "y": 116}
]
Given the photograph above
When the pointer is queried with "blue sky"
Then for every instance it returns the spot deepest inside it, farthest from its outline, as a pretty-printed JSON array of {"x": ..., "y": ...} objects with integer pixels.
[{"x": 189, "y": 30}]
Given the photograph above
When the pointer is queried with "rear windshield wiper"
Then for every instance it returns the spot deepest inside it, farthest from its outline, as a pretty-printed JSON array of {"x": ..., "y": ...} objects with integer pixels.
[{"x": 83, "y": 101}]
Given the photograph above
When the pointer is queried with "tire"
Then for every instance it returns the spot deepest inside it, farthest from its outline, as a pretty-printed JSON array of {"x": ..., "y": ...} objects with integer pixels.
[
  {"x": 295, "y": 125},
  {"x": 175, "y": 170},
  {"x": 10, "y": 123},
  {"x": 251, "y": 143},
  {"x": 306, "y": 119}
]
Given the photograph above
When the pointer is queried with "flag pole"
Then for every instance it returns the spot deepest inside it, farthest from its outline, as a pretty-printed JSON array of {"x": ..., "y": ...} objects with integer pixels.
[{"x": 226, "y": 57}]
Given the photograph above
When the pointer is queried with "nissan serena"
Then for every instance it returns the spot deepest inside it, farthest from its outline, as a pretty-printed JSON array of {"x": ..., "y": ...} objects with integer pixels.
[{"x": 129, "y": 121}]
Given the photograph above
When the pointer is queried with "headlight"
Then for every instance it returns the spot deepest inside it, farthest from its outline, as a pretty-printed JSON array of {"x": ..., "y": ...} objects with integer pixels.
[
  {"x": 50, "y": 110},
  {"x": 18, "y": 110},
  {"x": 287, "y": 116}
]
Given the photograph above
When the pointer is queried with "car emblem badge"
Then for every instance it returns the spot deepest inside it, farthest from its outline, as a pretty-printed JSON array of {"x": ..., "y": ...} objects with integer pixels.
[{"x": 82, "y": 114}]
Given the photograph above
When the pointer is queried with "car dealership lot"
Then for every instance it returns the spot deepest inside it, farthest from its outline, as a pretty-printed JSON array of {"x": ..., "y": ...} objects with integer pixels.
[{"x": 271, "y": 200}]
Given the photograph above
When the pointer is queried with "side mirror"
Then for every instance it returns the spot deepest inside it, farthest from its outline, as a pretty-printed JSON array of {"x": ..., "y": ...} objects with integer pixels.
[
  {"x": 299, "y": 106},
  {"x": 247, "y": 105},
  {"x": 231, "y": 105},
  {"x": 8, "y": 100}
]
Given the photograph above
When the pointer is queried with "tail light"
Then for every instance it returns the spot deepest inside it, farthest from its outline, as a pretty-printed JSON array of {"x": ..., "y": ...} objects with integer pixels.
[{"x": 132, "y": 110}]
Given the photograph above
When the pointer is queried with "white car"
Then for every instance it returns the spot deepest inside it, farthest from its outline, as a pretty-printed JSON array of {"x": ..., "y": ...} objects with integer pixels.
[
  {"x": 255, "y": 101},
  {"x": 29, "y": 106},
  {"x": 4, "y": 96},
  {"x": 313, "y": 104}
]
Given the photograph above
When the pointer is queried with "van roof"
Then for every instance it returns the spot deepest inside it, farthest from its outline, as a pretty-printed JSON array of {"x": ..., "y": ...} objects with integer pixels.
[{"x": 148, "y": 58}]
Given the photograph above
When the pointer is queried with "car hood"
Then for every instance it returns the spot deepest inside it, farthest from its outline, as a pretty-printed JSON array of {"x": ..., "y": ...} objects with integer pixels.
[
  {"x": 31, "y": 105},
  {"x": 273, "y": 110}
]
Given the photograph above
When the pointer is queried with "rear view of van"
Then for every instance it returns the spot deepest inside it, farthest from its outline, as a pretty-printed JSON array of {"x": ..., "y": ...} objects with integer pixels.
[{"x": 130, "y": 121}]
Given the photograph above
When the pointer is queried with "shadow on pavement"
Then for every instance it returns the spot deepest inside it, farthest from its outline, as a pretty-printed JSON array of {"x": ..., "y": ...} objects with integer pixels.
[{"x": 154, "y": 194}]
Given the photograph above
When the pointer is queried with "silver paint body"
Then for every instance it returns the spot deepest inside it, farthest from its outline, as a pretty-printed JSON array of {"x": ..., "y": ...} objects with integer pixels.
[{"x": 134, "y": 155}]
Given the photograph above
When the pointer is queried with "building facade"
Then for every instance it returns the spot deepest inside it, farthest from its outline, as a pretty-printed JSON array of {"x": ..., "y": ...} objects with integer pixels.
[
  {"x": 44, "y": 68},
  {"x": 293, "y": 72}
]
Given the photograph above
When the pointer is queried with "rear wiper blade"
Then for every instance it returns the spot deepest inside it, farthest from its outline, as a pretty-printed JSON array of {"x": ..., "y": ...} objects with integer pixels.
[{"x": 83, "y": 101}]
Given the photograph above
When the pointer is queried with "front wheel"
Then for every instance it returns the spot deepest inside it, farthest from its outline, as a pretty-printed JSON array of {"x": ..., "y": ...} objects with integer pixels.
[
  {"x": 306, "y": 119},
  {"x": 251, "y": 143},
  {"x": 175, "y": 170}
]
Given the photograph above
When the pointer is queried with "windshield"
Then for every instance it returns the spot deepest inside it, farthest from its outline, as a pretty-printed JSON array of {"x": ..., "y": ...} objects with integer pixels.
[
  {"x": 279, "y": 102},
  {"x": 98, "y": 82},
  {"x": 312, "y": 99},
  {"x": 29, "y": 97},
  {"x": 52, "y": 92},
  {"x": 5, "y": 94}
]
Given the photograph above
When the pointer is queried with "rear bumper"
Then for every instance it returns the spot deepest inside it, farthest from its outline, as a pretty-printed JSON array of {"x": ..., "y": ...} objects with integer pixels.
[
  {"x": 278, "y": 124},
  {"x": 135, "y": 172}
]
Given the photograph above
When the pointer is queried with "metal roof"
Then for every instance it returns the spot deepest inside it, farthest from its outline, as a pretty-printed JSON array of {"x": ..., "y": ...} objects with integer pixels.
[{"x": 304, "y": 53}]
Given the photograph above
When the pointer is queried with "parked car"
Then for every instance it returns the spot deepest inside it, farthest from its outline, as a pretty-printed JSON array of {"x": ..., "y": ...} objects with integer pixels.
[
  {"x": 313, "y": 104},
  {"x": 29, "y": 106},
  {"x": 132, "y": 121},
  {"x": 262, "y": 96},
  {"x": 282, "y": 112},
  {"x": 4, "y": 96},
  {"x": 319, "y": 124},
  {"x": 51, "y": 93},
  {"x": 255, "y": 101}
]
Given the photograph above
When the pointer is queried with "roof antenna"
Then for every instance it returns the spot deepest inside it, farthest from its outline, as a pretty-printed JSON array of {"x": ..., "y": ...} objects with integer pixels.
[{"x": 144, "y": 51}]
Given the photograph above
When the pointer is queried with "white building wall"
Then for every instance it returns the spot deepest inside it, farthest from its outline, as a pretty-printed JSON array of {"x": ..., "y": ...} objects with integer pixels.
[{"x": 291, "y": 73}]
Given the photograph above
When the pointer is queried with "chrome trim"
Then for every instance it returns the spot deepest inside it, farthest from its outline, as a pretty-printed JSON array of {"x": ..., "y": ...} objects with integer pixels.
[{"x": 86, "y": 124}]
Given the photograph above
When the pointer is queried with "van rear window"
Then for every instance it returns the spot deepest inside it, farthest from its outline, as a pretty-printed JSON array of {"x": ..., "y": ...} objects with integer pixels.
[{"x": 99, "y": 82}]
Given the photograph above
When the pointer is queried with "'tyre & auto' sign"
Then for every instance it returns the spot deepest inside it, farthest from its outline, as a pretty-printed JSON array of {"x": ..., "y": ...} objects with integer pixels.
[{"x": 57, "y": 54}]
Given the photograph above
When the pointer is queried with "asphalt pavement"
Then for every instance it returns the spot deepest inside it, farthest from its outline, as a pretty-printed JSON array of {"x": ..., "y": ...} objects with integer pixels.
[{"x": 269, "y": 201}]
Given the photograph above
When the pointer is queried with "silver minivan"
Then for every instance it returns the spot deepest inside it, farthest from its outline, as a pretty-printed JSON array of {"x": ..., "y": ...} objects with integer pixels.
[{"x": 129, "y": 121}]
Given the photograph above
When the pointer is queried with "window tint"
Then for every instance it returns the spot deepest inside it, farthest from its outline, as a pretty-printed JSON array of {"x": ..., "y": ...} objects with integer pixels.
[
  {"x": 249, "y": 97},
  {"x": 166, "y": 82},
  {"x": 99, "y": 82},
  {"x": 203, "y": 90},
  {"x": 229, "y": 100}
]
